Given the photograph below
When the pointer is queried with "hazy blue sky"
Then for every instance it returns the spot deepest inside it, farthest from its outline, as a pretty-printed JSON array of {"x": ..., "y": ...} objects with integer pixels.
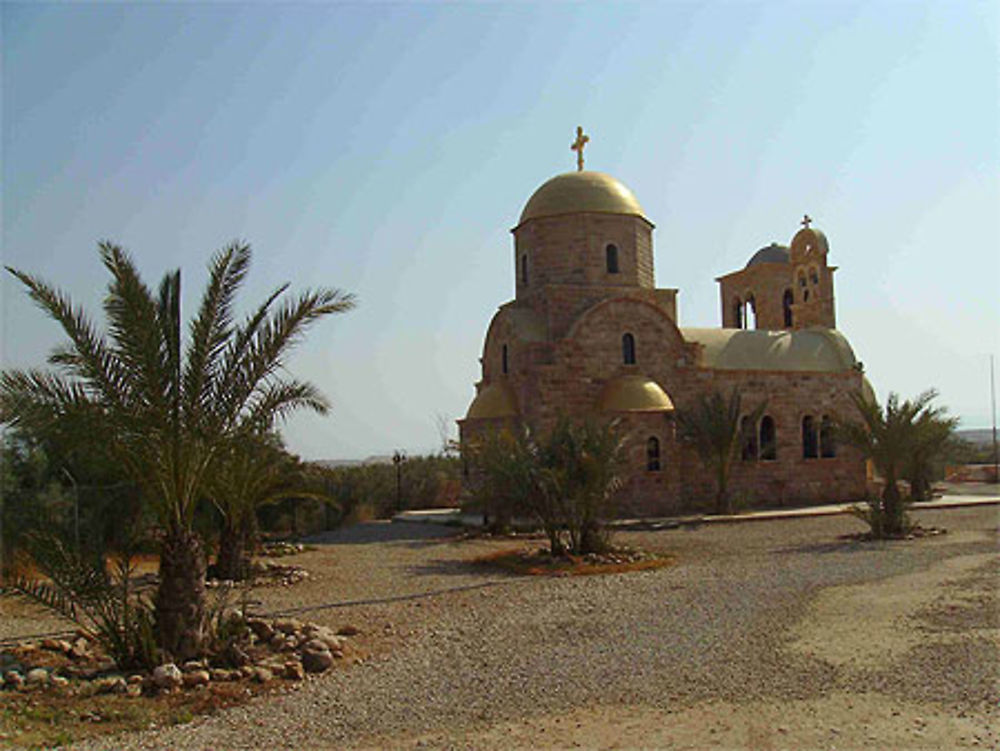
[{"x": 387, "y": 149}]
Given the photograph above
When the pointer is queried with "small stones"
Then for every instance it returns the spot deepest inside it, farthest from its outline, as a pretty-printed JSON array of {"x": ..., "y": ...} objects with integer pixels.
[
  {"x": 167, "y": 676},
  {"x": 293, "y": 671},
  {"x": 111, "y": 684},
  {"x": 196, "y": 678},
  {"x": 262, "y": 675},
  {"x": 13, "y": 679},
  {"x": 37, "y": 677},
  {"x": 288, "y": 625},
  {"x": 80, "y": 649},
  {"x": 57, "y": 645},
  {"x": 60, "y": 681},
  {"x": 317, "y": 661},
  {"x": 261, "y": 629},
  {"x": 348, "y": 630}
]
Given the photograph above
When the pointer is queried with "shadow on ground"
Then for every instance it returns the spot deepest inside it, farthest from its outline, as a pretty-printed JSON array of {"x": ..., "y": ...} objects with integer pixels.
[{"x": 364, "y": 533}]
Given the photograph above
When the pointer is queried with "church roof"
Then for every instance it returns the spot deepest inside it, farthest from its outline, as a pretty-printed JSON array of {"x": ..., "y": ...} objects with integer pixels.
[
  {"x": 806, "y": 350},
  {"x": 634, "y": 393},
  {"x": 494, "y": 400},
  {"x": 575, "y": 192},
  {"x": 773, "y": 253}
]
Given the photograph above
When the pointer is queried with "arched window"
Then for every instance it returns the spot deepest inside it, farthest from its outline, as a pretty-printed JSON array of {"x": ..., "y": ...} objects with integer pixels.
[
  {"x": 503, "y": 359},
  {"x": 768, "y": 439},
  {"x": 786, "y": 306},
  {"x": 827, "y": 438},
  {"x": 802, "y": 279},
  {"x": 809, "y": 438},
  {"x": 628, "y": 349},
  {"x": 813, "y": 275},
  {"x": 524, "y": 269},
  {"x": 738, "y": 313},
  {"x": 748, "y": 440},
  {"x": 751, "y": 315},
  {"x": 611, "y": 257},
  {"x": 653, "y": 454}
]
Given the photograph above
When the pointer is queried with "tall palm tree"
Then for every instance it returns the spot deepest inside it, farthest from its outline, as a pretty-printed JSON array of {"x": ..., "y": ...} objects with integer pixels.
[
  {"x": 712, "y": 427},
  {"x": 164, "y": 404},
  {"x": 901, "y": 439}
]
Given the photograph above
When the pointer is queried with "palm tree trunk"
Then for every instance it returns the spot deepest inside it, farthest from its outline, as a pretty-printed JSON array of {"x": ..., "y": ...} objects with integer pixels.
[
  {"x": 233, "y": 562},
  {"x": 180, "y": 598},
  {"x": 892, "y": 503}
]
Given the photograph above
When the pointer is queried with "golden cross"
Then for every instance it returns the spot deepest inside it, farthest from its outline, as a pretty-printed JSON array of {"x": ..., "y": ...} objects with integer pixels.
[
  {"x": 806, "y": 221},
  {"x": 577, "y": 146}
]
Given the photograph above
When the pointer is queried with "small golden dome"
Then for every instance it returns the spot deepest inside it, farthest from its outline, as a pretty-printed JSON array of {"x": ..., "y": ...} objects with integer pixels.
[
  {"x": 576, "y": 192},
  {"x": 809, "y": 240},
  {"x": 634, "y": 393},
  {"x": 495, "y": 400}
]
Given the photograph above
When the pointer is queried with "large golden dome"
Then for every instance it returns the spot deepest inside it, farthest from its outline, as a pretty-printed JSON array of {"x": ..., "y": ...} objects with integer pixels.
[{"x": 575, "y": 192}]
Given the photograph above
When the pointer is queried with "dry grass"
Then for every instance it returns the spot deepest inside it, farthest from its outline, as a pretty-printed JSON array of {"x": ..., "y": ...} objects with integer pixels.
[
  {"x": 534, "y": 563},
  {"x": 54, "y": 717}
]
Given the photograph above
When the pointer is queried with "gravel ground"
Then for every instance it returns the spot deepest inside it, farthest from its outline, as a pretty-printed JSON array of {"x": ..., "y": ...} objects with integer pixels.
[{"x": 713, "y": 631}]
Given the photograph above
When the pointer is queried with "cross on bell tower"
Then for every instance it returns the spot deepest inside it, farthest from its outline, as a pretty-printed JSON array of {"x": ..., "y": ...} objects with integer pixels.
[
  {"x": 806, "y": 221},
  {"x": 577, "y": 146}
]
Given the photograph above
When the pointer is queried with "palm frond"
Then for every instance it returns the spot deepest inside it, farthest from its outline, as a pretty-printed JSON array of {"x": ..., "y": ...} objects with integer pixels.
[
  {"x": 135, "y": 329},
  {"x": 89, "y": 358},
  {"x": 211, "y": 330}
]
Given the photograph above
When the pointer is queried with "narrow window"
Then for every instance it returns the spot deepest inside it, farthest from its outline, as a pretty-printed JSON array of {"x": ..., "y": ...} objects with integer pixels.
[
  {"x": 738, "y": 313},
  {"x": 805, "y": 296},
  {"x": 827, "y": 442},
  {"x": 653, "y": 454},
  {"x": 503, "y": 364},
  {"x": 524, "y": 269},
  {"x": 813, "y": 276},
  {"x": 751, "y": 316},
  {"x": 802, "y": 279},
  {"x": 748, "y": 440},
  {"x": 611, "y": 256},
  {"x": 768, "y": 440},
  {"x": 808, "y": 437},
  {"x": 786, "y": 306},
  {"x": 628, "y": 349}
]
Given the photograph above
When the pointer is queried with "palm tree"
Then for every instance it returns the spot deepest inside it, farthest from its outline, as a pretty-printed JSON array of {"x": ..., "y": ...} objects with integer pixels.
[
  {"x": 583, "y": 462},
  {"x": 164, "y": 407},
  {"x": 901, "y": 440},
  {"x": 712, "y": 427},
  {"x": 247, "y": 474}
]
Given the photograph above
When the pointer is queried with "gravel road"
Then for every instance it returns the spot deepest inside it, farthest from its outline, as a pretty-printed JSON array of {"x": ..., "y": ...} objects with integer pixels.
[{"x": 488, "y": 649}]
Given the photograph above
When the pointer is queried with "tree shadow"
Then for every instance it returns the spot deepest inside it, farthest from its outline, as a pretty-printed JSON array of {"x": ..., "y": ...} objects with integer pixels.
[{"x": 368, "y": 533}]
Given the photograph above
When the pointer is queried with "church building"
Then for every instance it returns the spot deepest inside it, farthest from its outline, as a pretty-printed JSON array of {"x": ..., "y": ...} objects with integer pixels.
[{"x": 589, "y": 334}]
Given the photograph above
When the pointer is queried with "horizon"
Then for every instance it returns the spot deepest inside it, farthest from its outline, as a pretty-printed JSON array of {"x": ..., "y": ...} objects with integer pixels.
[{"x": 388, "y": 149}]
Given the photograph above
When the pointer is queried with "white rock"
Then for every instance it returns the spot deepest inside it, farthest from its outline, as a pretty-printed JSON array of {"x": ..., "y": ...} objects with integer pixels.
[
  {"x": 37, "y": 677},
  {"x": 167, "y": 676}
]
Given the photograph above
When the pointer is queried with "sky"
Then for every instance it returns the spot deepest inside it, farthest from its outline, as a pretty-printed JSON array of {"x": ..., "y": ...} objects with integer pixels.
[{"x": 387, "y": 149}]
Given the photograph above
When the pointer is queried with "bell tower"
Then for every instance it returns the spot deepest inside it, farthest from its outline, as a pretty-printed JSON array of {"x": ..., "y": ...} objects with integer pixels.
[{"x": 812, "y": 279}]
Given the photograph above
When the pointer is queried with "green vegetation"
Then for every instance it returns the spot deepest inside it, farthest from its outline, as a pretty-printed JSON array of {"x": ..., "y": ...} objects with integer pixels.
[
  {"x": 903, "y": 441},
  {"x": 161, "y": 406},
  {"x": 105, "y": 604},
  {"x": 712, "y": 427},
  {"x": 247, "y": 473},
  {"x": 567, "y": 480}
]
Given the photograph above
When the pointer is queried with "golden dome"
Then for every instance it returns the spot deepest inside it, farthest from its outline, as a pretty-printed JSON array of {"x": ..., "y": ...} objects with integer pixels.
[
  {"x": 809, "y": 240},
  {"x": 495, "y": 400},
  {"x": 575, "y": 192},
  {"x": 634, "y": 393}
]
